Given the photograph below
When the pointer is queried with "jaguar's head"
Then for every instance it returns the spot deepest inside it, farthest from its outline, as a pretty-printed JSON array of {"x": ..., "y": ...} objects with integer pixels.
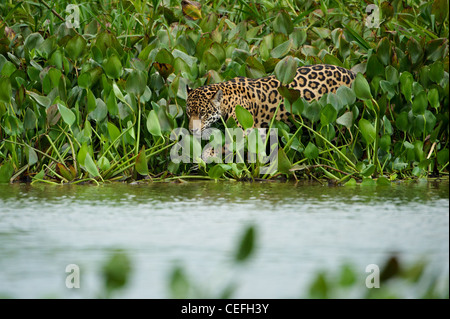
[{"x": 203, "y": 107}]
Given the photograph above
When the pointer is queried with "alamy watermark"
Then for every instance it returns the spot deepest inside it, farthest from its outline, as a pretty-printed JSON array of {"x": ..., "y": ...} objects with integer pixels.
[
  {"x": 73, "y": 279},
  {"x": 373, "y": 279},
  {"x": 373, "y": 17},
  {"x": 262, "y": 146},
  {"x": 73, "y": 18}
]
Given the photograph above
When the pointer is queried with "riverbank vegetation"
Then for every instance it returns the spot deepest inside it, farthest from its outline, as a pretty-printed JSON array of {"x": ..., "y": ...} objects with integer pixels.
[{"x": 90, "y": 91}]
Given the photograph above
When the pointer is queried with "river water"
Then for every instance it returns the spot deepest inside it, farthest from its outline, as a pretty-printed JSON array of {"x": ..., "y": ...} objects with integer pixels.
[{"x": 300, "y": 229}]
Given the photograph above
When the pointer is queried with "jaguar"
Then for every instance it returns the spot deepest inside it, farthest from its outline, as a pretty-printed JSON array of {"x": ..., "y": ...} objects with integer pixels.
[{"x": 207, "y": 104}]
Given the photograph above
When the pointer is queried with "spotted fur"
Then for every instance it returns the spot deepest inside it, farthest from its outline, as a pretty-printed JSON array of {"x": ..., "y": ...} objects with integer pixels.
[{"x": 260, "y": 96}]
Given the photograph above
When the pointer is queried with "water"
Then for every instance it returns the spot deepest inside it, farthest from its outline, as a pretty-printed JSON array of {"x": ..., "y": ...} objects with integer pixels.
[{"x": 300, "y": 228}]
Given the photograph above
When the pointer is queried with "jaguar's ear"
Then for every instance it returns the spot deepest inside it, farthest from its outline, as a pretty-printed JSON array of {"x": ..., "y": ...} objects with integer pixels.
[
  {"x": 217, "y": 99},
  {"x": 188, "y": 89}
]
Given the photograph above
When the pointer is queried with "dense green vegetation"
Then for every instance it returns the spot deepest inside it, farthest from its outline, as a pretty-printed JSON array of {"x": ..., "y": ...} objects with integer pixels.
[{"x": 97, "y": 101}]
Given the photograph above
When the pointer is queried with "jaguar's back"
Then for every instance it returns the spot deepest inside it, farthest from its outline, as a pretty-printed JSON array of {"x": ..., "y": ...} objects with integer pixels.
[{"x": 260, "y": 96}]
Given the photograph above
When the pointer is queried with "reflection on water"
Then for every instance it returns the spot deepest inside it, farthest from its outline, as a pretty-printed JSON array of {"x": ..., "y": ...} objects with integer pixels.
[{"x": 301, "y": 228}]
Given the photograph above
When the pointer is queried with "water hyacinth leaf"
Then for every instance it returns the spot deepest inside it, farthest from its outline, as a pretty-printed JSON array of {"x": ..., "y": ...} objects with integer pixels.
[
  {"x": 351, "y": 182},
  {"x": 246, "y": 245},
  {"x": 113, "y": 67},
  {"x": 84, "y": 80},
  {"x": 392, "y": 75},
  {"x": 312, "y": 111},
  {"x": 281, "y": 50},
  {"x": 141, "y": 162},
  {"x": 90, "y": 165},
  {"x": 387, "y": 87},
  {"x": 5, "y": 90},
  {"x": 103, "y": 163},
  {"x": 75, "y": 46},
  {"x": 100, "y": 112},
  {"x": 286, "y": 70},
  {"x": 420, "y": 103},
  {"x": 111, "y": 104},
  {"x": 346, "y": 119},
  {"x": 385, "y": 142},
  {"x": 328, "y": 115},
  {"x": 118, "y": 93},
  {"x": 374, "y": 67},
  {"x": 66, "y": 114},
  {"x": 442, "y": 156},
  {"x": 436, "y": 72},
  {"x": 284, "y": 164},
  {"x": 218, "y": 170},
  {"x": 179, "y": 284},
  {"x": 53, "y": 115},
  {"x": 406, "y": 84},
  {"x": 367, "y": 170},
  {"x": 383, "y": 181},
  {"x": 311, "y": 151},
  {"x": 283, "y": 23},
  {"x": 12, "y": 125},
  {"x": 6, "y": 172},
  {"x": 244, "y": 117},
  {"x": 433, "y": 98},
  {"x": 136, "y": 82},
  {"x": 153, "y": 125},
  {"x": 362, "y": 88},
  {"x": 191, "y": 9},
  {"x": 384, "y": 51},
  {"x": 346, "y": 95},
  {"x": 415, "y": 50},
  {"x": 367, "y": 130},
  {"x": 331, "y": 59},
  {"x": 368, "y": 182},
  {"x": 113, "y": 132},
  {"x": 30, "y": 119}
]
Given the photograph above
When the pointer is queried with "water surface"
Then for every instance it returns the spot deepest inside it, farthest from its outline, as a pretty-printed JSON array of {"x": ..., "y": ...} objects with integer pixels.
[{"x": 301, "y": 228}]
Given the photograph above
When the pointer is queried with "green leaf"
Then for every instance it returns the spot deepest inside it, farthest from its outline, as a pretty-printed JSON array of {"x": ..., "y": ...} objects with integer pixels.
[
  {"x": 84, "y": 80},
  {"x": 387, "y": 87},
  {"x": 12, "y": 125},
  {"x": 436, "y": 72},
  {"x": 113, "y": 67},
  {"x": 351, "y": 182},
  {"x": 402, "y": 121},
  {"x": 90, "y": 165},
  {"x": 246, "y": 245},
  {"x": 218, "y": 170},
  {"x": 346, "y": 95},
  {"x": 367, "y": 130},
  {"x": 385, "y": 142},
  {"x": 328, "y": 115},
  {"x": 311, "y": 151},
  {"x": 66, "y": 114},
  {"x": 406, "y": 82},
  {"x": 141, "y": 162},
  {"x": 384, "y": 51},
  {"x": 433, "y": 98},
  {"x": 415, "y": 50},
  {"x": 420, "y": 103},
  {"x": 392, "y": 75},
  {"x": 283, "y": 23},
  {"x": 136, "y": 82},
  {"x": 153, "y": 125},
  {"x": 281, "y": 50},
  {"x": 244, "y": 117},
  {"x": 362, "y": 88},
  {"x": 347, "y": 276},
  {"x": 286, "y": 70},
  {"x": 75, "y": 46},
  {"x": 383, "y": 181},
  {"x": 346, "y": 119},
  {"x": 442, "y": 156},
  {"x": 368, "y": 182},
  {"x": 5, "y": 90},
  {"x": 114, "y": 133},
  {"x": 284, "y": 164},
  {"x": 319, "y": 288},
  {"x": 6, "y": 172}
]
